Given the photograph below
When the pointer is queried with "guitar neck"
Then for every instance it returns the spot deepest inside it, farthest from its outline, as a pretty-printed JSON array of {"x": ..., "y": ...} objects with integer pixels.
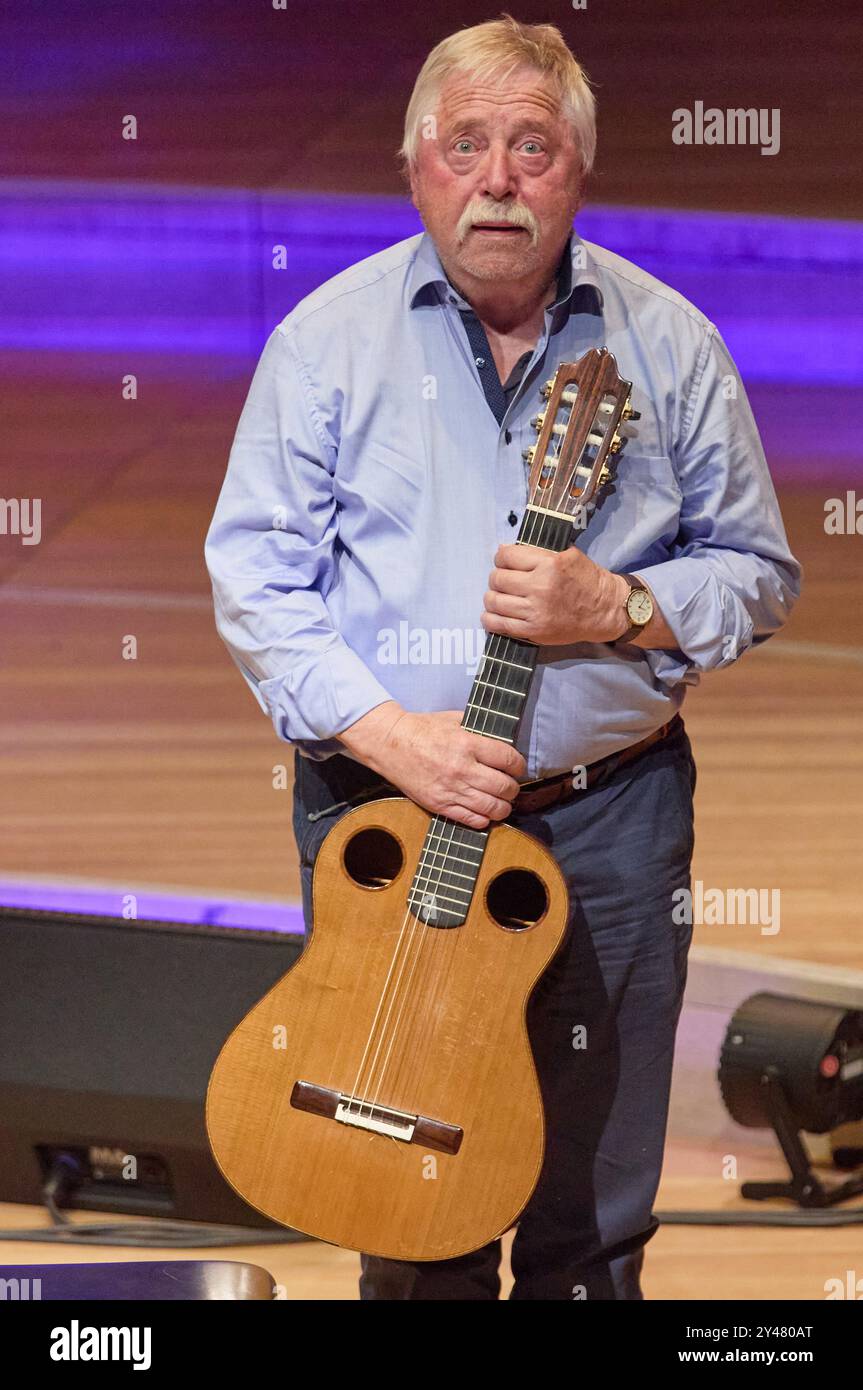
[
  {"x": 499, "y": 693},
  {"x": 446, "y": 874}
]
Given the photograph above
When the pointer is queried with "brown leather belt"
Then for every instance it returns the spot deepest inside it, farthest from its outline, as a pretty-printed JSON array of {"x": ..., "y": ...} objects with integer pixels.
[{"x": 548, "y": 791}]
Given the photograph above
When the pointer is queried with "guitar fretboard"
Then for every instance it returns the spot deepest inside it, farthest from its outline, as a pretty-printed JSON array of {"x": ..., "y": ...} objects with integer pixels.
[{"x": 451, "y": 857}]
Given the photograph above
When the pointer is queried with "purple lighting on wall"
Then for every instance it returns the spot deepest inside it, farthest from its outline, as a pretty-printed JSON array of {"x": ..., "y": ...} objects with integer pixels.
[{"x": 156, "y": 269}]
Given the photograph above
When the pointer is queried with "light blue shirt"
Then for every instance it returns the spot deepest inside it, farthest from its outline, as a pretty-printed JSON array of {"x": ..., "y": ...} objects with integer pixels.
[{"x": 369, "y": 485}]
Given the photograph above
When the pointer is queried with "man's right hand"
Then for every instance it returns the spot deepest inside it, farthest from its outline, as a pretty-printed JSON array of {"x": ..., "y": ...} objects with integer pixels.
[{"x": 436, "y": 763}]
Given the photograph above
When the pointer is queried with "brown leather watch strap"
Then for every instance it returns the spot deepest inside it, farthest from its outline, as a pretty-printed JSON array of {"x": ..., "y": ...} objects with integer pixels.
[{"x": 634, "y": 629}]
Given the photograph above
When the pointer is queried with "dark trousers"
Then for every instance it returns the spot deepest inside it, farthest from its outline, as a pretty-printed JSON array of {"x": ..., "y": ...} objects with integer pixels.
[{"x": 601, "y": 1022}]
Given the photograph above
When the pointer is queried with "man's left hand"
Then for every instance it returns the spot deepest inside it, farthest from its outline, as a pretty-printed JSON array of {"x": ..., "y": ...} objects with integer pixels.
[{"x": 553, "y": 599}]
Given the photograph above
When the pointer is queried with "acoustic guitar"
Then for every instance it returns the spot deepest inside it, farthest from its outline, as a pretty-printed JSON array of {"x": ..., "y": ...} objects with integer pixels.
[{"x": 383, "y": 1095}]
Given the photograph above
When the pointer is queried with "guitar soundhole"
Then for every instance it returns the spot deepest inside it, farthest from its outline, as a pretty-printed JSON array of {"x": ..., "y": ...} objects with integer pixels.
[
  {"x": 373, "y": 858},
  {"x": 517, "y": 899}
]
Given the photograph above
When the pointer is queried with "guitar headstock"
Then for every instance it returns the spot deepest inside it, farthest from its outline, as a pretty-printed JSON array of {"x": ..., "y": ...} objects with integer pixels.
[{"x": 578, "y": 429}]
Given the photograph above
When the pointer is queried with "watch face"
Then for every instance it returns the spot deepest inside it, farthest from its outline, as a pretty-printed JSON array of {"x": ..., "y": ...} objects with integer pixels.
[{"x": 639, "y": 606}]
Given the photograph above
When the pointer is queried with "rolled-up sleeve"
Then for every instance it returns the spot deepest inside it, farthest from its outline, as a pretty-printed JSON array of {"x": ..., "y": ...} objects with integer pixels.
[
  {"x": 270, "y": 554},
  {"x": 733, "y": 580}
]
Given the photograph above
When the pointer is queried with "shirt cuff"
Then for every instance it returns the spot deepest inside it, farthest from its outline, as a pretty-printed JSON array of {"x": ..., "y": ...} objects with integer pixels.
[
  {"x": 710, "y": 623},
  {"x": 317, "y": 701}
]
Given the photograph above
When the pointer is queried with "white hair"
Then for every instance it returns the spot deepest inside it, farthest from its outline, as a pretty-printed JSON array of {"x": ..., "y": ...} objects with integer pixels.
[{"x": 495, "y": 50}]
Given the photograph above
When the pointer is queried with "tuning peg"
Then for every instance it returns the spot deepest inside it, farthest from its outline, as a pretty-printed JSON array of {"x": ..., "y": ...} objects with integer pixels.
[
  {"x": 604, "y": 475},
  {"x": 629, "y": 414},
  {"x": 616, "y": 445},
  {"x": 546, "y": 390},
  {"x": 527, "y": 454},
  {"x": 538, "y": 420}
]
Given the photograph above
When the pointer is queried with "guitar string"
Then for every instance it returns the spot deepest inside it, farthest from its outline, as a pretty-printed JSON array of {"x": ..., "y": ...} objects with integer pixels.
[
  {"x": 417, "y": 927},
  {"x": 428, "y": 990},
  {"x": 433, "y": 980},
  {"x": 536, "y": 523},
  {"x": 498, "y": 643},
  {"x": 445, "y": 845},
  {"x": 428, "y": 995}
]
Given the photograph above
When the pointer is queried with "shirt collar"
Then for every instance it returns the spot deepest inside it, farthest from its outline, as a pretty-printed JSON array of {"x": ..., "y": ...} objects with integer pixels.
[{"x": 577, "y": 278}]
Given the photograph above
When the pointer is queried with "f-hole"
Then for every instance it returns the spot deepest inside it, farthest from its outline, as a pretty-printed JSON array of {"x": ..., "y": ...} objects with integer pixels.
[
  {"x": 373, "y": 858},
  {"x": 516, "y": 899}
]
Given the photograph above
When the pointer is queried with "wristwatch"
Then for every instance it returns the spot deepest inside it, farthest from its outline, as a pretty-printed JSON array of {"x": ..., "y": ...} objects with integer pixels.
[{"x": 639, "y": 609}]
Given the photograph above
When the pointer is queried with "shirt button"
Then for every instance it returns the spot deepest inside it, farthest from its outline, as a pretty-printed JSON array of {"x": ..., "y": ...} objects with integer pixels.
[
  {"x": 452, "y": 299},
  {"x": 480, "y": 361},
  {"x": 512, "y": 518},
  {"x": 508, "y": 436}
]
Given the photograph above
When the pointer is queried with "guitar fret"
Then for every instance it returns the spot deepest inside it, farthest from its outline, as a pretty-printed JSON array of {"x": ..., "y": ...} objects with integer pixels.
[
  {"x": 484, "y": 709},
  {"x": 492, "y": 685},
  {"x": 442, "y": 886},
  {"x": 458, "y": 844},
  {"x": 445, "y": 854},
  {"x": 443, "y": 916},
  {"x": 412, "y": 899},
  {"x": 549, "y": 511},
  {"x": 454, "y": 827},
  {"x": 437, "y": 890},
  {"x": 487, "y": 698},
  {"x": 518, "y": 664},
  {"x": 432, "y": 880},
  {"x": 489, "y": 690},
  {"x": 436, "y": 868},
  {"x": 459, "y": 828}
]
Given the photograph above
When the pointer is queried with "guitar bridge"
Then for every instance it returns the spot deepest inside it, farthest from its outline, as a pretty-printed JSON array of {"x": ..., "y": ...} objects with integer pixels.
[
  {"x": 380, "y": 1119},
  {"x": 376, "y": 1119}
]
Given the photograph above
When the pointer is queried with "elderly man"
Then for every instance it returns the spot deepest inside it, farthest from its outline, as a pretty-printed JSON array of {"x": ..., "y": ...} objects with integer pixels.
[{"x": 377, "y": 474}]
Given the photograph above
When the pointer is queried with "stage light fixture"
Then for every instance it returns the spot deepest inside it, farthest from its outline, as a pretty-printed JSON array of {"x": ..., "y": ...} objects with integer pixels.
[{"x": 794, "y": 1065}]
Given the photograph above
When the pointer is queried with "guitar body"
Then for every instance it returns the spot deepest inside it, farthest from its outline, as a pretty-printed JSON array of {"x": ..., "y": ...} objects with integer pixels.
[{"x": 402, "y": 1023}]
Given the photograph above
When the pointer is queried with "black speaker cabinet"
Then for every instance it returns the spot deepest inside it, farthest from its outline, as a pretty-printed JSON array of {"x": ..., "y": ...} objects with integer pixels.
[{"x": 108, "y": 1033}]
